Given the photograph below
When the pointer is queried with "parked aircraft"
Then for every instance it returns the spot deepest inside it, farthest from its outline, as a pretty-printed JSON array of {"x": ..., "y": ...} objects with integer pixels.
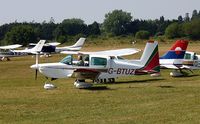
[
  {"x": 102, "y": 66},
  {"x": 49, "y": 48},
  {"x": 191, "y": 60},
  {"x": 179, "y": 59},
  {"x": 8, "y": 51}
]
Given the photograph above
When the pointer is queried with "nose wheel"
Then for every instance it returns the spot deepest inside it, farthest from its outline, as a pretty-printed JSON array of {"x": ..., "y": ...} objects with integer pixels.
[{"x": 49, "y": 86}]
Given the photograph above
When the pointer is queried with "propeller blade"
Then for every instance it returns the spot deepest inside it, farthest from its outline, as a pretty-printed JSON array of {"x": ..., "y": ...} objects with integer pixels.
[{"x": 36, "y": 74}]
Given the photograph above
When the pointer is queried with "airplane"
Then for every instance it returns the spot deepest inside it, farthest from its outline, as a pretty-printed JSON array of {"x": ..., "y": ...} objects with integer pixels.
[
  {"x": 49, "y": 48},
  {"x": 102, "y": 66},
  {"x": 177, "y": 58},
  {"x": 192, "y": 60},
  {"x": 8, "y": 51}
]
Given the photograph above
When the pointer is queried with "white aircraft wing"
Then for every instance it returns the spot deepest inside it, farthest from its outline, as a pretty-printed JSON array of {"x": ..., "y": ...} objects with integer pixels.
[
  {"x": 53, "y": 43},
  {"x": 11, "y": 46},
  {"x": 118, "y": 52},
  {"x": 170, "y": 66}
]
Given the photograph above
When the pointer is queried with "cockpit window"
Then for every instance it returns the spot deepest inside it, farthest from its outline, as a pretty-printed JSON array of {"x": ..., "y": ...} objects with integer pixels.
[
  {"x": 195, "y": 57},
  {"x": 67, "y": 60},
  {"x": 187, "y": 56},
  {"x": 98, "y": 61}
]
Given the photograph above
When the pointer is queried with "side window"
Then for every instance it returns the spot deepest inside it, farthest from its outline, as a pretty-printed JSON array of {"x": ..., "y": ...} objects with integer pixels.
[
  {"x": 98, "y": 61},
  {"x": 187, "y": 56}
]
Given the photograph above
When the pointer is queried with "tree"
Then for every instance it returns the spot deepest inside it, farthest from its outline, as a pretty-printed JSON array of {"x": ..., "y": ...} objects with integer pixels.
[
  {"x": 116, "y": 22},
  {"x": 194, "y": 14},
  {"x": 187, "y": 18},
  {"x": 94, "y": 29},
  {"x": 174, "y": 30},
  {"x": 192, "y": 29},
  {"x": 21, "y": 34},
  {"x": 142, "y": 35},
  {"x": 162, "y": 19},
  {"x": 180, "y": 19}
]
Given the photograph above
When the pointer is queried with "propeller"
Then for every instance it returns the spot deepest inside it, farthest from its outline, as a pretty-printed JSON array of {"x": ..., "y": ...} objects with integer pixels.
[
  {"x": 36, "y": 74},
  {"x": 36, "y": 63}
]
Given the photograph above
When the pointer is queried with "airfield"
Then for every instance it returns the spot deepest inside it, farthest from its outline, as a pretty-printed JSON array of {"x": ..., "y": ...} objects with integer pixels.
[{"x": 134, "y": 99}]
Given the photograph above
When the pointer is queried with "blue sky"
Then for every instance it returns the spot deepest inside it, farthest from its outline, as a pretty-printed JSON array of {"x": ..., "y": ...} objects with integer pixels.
[{"x": 91, "y": 10}]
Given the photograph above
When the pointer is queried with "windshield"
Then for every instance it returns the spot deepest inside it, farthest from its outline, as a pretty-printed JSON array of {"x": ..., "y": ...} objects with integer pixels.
[
  {"x": 187, "y": 56},
  {"x": 67, "y": 60}
]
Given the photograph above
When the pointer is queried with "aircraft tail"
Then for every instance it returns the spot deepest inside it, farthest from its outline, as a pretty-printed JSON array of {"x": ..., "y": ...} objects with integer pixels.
[
  {"x": 76, "y": 47},
  {"x": 38, "y": 47},
  {"x": 79, "y": 43},
  {"x": 177, "y": 51},
  {"x": 150, "y": 58}
]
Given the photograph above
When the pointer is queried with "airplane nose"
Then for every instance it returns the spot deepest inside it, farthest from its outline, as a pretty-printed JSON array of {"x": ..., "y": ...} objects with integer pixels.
[{"x": 34, "y": 66}]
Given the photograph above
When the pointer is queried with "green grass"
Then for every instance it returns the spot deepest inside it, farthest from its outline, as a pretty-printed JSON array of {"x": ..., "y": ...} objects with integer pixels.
[{"x": 136, "y": 99}]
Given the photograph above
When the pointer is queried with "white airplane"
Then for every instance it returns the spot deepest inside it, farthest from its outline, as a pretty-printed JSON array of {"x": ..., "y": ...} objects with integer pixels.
[
  {"x": 191, "y": 60},
  {"x": 49, "y": 48},
  {"x": 177, "y": 58},
  {"x": 8, "y": 51},
  {"x": 102, "y": 66}
]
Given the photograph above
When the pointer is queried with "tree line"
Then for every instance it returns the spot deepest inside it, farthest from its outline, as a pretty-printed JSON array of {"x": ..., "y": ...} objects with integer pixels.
[{"x": 116, "y": 23}]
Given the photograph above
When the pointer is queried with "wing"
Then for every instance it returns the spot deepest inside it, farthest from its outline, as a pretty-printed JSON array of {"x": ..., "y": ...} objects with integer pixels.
[
  {"x": 170, "y": 66},
  {"x": 53, "y": 43},
  {"x": 11, "y": 46},
  {"x": 118, "y": 52}
]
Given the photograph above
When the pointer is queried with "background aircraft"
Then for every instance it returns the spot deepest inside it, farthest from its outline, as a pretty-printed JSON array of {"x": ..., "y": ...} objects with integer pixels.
[
  {"x": 49, "y": 48},
  {"x": 8, "y": 51},
  {"x": 102, "y": 66},
  {"x": 178, "y": 58}
]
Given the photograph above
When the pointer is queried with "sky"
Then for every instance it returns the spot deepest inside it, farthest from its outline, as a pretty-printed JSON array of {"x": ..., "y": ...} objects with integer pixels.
[{"x": 91, "y": 10}]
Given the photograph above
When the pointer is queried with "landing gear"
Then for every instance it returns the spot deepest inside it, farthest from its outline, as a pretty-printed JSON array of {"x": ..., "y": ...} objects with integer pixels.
[
  {"x": 81, "y": 84},
  {"x": 175, "y": 73},
  {"x": 49, "y": 85}
]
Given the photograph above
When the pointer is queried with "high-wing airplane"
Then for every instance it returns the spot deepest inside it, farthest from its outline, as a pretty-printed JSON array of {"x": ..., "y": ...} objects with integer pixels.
[
  {"x": 8, "y": 51},
  {"x": 178, "y": 58},
  {"x": 191, "y": 60},
  {"x": 102, "y": 66},
  {"x": 49, "y": 48}
]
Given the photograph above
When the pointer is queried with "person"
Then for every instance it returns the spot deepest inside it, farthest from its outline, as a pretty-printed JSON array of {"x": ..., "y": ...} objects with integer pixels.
[{"x": 80, "y": 61}]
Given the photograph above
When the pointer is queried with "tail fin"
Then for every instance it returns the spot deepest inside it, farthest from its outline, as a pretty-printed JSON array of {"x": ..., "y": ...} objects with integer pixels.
[
  {"x": 177, "y": 51},
  {"x": 79, "y": 43},
  {"x": 38, "y": 46},
  {"x": 150, "y": 57}
]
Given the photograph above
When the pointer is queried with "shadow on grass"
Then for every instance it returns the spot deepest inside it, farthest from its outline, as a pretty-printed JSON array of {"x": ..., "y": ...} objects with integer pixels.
[
  {"x": 98, "y": 88},
  {"x": 188, "y": 76},
  {"x": 166, "y": 86},
  {"x": 139, "y": 81}
]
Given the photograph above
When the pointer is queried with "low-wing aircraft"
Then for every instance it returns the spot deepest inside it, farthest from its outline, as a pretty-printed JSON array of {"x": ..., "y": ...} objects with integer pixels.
[
  {"x": 102, "y": 66},
  {"x": 178, "y": 58},
  {"x": 8, "y": 51},
  {"x": 49, "y": 48}
]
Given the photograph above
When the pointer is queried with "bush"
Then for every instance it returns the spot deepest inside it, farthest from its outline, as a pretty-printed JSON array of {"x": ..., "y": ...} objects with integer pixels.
[
  {"x": 142, "y": 35},
  {"x": 174, "y": 30},
  {"x": 192, "y": 29}
]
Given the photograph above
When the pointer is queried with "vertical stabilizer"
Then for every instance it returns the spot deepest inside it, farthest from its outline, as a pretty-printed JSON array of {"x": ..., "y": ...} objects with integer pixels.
[
  {"x": 177, "y": 51},
  {"x": 150, "y": 57}
]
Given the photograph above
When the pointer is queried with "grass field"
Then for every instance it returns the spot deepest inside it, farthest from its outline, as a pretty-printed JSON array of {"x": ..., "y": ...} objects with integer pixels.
[{"x": 136, "y": 99}]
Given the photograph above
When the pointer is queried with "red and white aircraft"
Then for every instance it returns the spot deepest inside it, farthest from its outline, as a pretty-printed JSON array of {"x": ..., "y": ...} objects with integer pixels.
[
  {"x": 178, "y": 58},
  {"x": 102, "y": 66}
]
